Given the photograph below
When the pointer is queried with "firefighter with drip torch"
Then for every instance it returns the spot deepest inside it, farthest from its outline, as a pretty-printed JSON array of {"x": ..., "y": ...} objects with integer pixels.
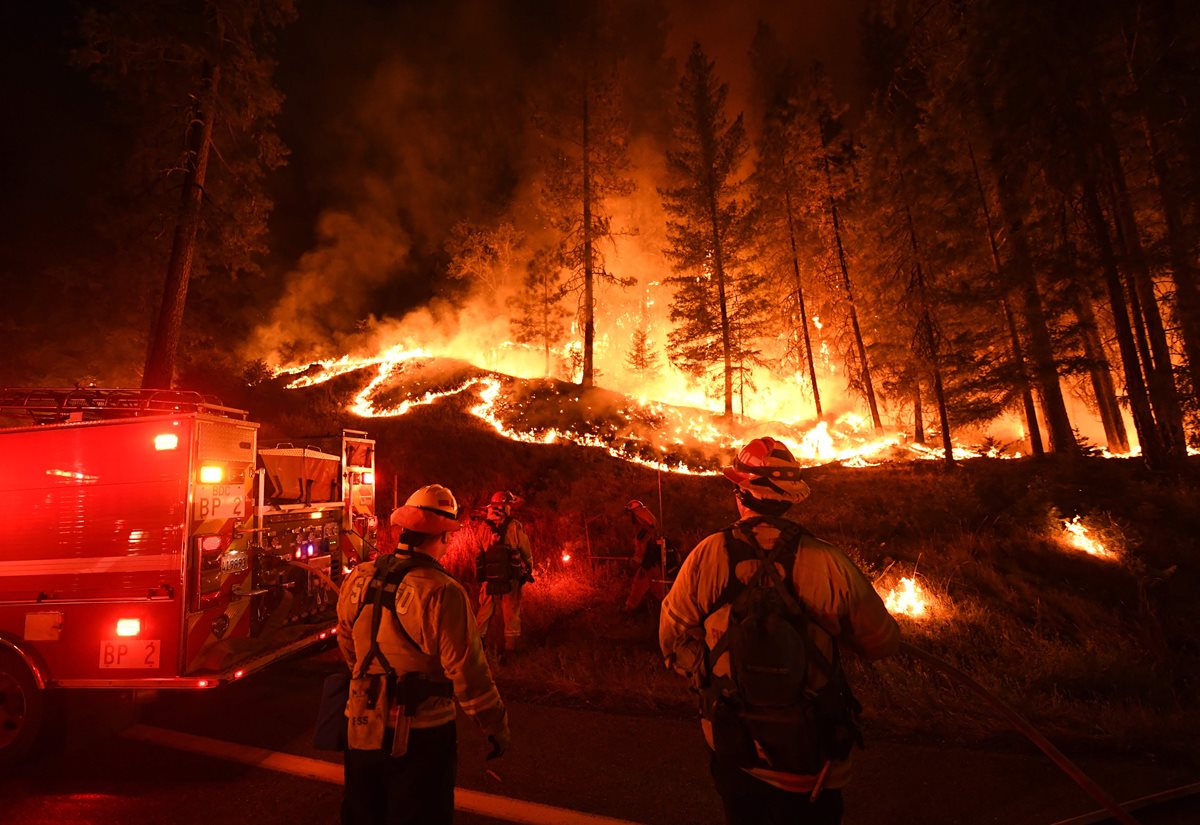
[
  {"x": 503, "y": 567},
  {"x": 406, "y": 630},
  {"x": 649, "y": 553},
  {"x": 756, "y": 619}
]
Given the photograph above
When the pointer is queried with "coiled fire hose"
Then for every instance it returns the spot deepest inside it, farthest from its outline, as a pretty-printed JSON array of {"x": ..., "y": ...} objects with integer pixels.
[{"x": 1025, "y": 727}]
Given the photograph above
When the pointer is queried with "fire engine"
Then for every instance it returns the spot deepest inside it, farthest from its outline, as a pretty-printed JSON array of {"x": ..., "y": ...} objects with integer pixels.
[{"x": 153, "y": 544}]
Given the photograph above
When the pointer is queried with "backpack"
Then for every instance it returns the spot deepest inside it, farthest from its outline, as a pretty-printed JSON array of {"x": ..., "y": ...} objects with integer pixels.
[
  {"x": 375, "y": 701},
  {"x": 499, "y": 565},
  {"x": 763, "y": 714}
]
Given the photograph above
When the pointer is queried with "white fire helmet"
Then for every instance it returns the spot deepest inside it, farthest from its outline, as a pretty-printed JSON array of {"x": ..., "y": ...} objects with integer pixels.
[
  {"x": 431, "y": 509},
  {"x": 765, "y": 469}
]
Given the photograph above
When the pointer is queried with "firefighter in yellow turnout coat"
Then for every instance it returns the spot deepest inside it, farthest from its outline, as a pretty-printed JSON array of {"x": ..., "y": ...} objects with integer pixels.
[
  {"x": 758, "y": 769},
  {"x": 504, "y": 567},
  {"x": 420, "y": 655}
]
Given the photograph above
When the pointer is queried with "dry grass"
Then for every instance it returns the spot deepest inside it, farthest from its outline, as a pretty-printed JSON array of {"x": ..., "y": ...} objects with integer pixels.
[{"x": 1098, "y": 653}]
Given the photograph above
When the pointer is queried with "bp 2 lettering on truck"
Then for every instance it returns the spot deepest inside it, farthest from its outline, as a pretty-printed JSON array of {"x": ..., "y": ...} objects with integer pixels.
[
  {"x": 220, "y": 501},
  {"x": 128, "y": 654}
]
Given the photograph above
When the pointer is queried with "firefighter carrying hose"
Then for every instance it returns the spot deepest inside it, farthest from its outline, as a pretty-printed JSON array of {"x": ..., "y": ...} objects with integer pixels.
[
  {"x": 406, "y": 630},
  {"x": 504, "y": 566},
  {"x": 648, "y": 554},
  {"x": 756, "y": 619}
]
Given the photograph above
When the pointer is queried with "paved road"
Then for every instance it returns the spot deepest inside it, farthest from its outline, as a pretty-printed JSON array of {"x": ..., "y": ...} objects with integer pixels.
[{"x": 642, "y": 769}]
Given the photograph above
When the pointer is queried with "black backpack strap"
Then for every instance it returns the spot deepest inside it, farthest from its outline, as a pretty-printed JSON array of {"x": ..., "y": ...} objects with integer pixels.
[
  {"x": 790, "y": 541},
  {"x": 386, "y": 583},
  {"x": 785, "y": 549}
]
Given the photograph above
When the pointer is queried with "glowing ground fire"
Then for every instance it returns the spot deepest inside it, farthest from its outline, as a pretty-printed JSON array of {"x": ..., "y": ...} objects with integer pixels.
[
  {"x": 1077, "y": 536},
  {"x": 907, "y": 598},
  {"x": 651, "y": 435}
]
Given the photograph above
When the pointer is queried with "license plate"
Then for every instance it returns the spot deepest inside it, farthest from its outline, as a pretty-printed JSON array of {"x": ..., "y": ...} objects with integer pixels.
[
  {"x": 219, "y": 501},
  {"x": 136, "y": 654}
]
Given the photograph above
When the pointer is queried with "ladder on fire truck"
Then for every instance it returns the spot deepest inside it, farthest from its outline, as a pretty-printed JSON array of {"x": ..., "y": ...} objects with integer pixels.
[{"x": 49, "y": 406}]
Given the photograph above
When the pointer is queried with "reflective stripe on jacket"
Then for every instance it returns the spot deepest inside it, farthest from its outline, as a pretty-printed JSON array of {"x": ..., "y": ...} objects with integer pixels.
[
  {"x": 841, "y": 602},
  {"x": 436, "y": 613}
]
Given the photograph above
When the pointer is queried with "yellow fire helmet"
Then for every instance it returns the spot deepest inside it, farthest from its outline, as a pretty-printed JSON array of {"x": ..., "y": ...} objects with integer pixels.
[{"x": 431, "y": 509}]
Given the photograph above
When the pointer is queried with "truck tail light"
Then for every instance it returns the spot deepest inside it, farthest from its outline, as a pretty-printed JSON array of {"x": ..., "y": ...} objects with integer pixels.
[
  {"x": 211, "y": 474},
  {"x": 166, "y": 441},
  {"x": 368, "y": 478},
  {"x": 129, "y": 627}
]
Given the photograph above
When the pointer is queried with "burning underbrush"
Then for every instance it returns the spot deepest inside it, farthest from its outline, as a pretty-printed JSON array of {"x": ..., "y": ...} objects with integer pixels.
[
  {"x": 675, "y": 437},
  {"x": 1096, "y": 651}
]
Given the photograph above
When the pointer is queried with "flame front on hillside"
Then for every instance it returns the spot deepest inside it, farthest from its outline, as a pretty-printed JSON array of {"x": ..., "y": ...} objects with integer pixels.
[{"x": 648, "y": 432}]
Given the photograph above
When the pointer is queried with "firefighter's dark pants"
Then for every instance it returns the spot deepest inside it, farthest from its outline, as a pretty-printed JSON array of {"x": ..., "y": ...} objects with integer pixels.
[
  {"x": 750, "y": 801},
  {"x": 414, "y": 789}
]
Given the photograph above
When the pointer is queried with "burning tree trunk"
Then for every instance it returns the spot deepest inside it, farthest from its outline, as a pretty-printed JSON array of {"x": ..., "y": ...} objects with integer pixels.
[
  {"x": 800, "y": 308},
  {"x": 164, "y": 342},
  {"x": 1031, "y": 420}
]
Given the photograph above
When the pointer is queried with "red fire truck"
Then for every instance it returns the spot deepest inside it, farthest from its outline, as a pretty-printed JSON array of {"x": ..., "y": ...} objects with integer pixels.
[{"x": 156, "y": 546}]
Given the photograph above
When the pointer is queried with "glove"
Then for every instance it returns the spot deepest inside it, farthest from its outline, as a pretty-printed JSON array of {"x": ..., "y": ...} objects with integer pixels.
[{"x": 499, "y": 743}]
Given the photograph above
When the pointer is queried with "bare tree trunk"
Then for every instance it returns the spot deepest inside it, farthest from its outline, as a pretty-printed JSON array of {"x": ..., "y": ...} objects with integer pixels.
[
  {"x": 928, "y": 331},
  {"x": 1160, "y": 373},
  {"x": 918, "y": 417},
  {"x": 1100, "y": 373},
  {"x": 868, "y": 386},
  {"x": 1041, "y": 348},
  {"x": 719, "y": 271},
  {"x": 1099, "y": 368},
  {"x": 808, "y": 353},
  {"x": 159, "y": 371},
  {"x": 1180, "y": 239},
  {"x": 589, "y": 299},
  {"x": 1032, "y": 427},
  {"x": 1139, "y": 403}
]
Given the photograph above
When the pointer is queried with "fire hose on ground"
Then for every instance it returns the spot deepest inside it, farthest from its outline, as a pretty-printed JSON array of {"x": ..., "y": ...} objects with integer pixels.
[{"x": 1030, "y": 732}]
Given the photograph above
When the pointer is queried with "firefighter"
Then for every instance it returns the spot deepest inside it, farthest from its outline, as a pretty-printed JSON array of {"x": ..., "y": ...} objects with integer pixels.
[
  {"x": 406, "y": 630},
  {"x": 504, "y": 566},
  {"x": 784, "y": 768},
  {"x": 647, "y": 558}
]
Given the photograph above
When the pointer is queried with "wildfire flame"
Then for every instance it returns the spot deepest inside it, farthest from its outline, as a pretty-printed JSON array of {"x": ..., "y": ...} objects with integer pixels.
[
  {"x": 907, "y": 599},
  {"x": 848, "y": 439},
  {"x": 1077, "y": 536}
]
